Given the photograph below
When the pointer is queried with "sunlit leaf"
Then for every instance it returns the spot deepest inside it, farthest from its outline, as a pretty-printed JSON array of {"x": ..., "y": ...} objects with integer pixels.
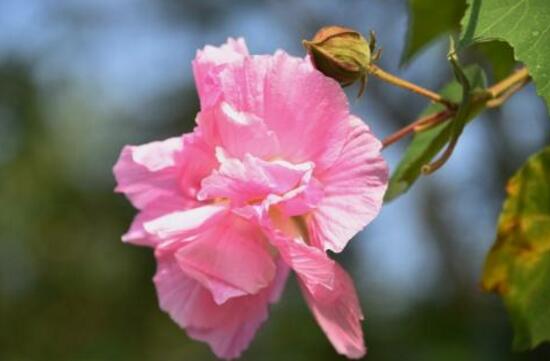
[
  {"x": 429, "y": 19},
  {"x": 524, "y": 24},
  {"x": 426, "y": 144},
  {"x": 518, "y": 265}
]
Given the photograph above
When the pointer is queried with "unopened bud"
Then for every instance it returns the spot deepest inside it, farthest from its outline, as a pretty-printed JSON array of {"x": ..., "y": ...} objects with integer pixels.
[{"x": 341, "y": 53}]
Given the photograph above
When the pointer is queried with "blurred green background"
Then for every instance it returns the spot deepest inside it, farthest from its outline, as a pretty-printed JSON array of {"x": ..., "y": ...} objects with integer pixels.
[{"x": 81, "y": 78}]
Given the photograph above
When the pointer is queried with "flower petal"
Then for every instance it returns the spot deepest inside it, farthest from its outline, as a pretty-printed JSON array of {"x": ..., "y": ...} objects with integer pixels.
[
  {"x": 209, "y": 62},
  {"x": 252, "y": 178},
  {"x": 338, "y": 312},
  {"x": 230, "y": 258},
  {"x": 147, "y": 172},
  {"x": 238, "y": 133},
  {"x": 279, "y": 282},
  {"x": 354, "y": 188},
  {"x": 228, "y": 328},
  {"x": 165, "y": 205},
  {"x": 185, "y": 224},
  {"x": 198, "y": 161},
  {"x": 310, "y": 263},
  {"x": 169, "y": 168},
  {"x": 305, "y": 109}
]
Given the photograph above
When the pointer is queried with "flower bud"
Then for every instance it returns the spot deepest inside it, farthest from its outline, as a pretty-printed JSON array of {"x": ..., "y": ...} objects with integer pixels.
[{"x": 340, "y": 53}]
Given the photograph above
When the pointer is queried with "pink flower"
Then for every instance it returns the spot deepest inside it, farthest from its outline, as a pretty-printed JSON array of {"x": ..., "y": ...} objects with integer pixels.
[{"x": 276, "y": 173}]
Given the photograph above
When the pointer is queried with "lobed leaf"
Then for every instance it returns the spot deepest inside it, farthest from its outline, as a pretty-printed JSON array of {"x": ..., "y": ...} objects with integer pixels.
[
  {"x": 524, "y": 24},
  {"x": 518, "y": 265}
]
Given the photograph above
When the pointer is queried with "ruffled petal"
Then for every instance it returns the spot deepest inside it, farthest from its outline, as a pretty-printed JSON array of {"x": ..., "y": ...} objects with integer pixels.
[
  {"x": 165, "y": 205},
  {"x": 228, "y": 328},
  {"x": 198, "y": 161},
  {"x": 354, "y": 188},
  {"x": 338, "y": 312},
  {"x": 230, "y": 259},
  {"x": 252, "y": 179},
  {"x": 305, "y": 109},
  {"x": 327, "y": 288},
  {"x": 238, "y": 133},
  {"x": 172, "y": 168},
  {"x": 148, "y": 172},
  {"x": 185, "y": 225},
  {"x": 208, "y": 64},
  {"x": 279, "y": 282},
  {"x": 289, "y": 236}
]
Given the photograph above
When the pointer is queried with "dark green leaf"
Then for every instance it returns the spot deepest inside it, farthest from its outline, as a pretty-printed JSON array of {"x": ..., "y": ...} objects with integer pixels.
[
  {"x": 500, "y": 56},
  {"x": 429, "y": 19},
  {"x": 524, "y": 24},
  {"x": 427, "y": 144},
  {"x": 518, "y": 265}
]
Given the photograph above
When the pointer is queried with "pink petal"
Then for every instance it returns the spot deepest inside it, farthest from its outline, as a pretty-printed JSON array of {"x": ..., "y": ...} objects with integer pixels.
[
  {"x": 252, "y": 179},
  {"x": 238, "y": 133},
  {"x": 148, "y": 172},
  {"x": 243, "y": 84},
  {"x": 208, "y": 64},
  {"x": 310, "y": 263},
  {"x": 230, "y": 259},
  {"x": 138, "y": 235},
  {"x": 169, "y": 168},
  {"x": 302, "y": 199},
  {"x": 327, "y": 288},
  {"x": 229, "y": 327},
  {"x": 338, "y": 312},
  {"x": 198, "y": 161},
  {"x": 353, "y": 189},
  {"x": 304, "y": 108},
  {"x": 185, "y": 224},
  {"x": 315, "y": 266},
  {"x": 279, "y": 281}
]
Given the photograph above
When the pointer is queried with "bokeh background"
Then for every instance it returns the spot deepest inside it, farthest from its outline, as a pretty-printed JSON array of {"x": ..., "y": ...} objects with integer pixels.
[{"x": 81, "y": 78}]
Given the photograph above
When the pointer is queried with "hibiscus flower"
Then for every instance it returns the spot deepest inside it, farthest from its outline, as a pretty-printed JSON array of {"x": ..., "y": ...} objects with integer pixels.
[{"x": 276, "y": 172}]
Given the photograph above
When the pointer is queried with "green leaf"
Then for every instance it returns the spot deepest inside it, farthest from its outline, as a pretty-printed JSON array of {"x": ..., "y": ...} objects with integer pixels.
[
  {"x": 524, "y": 24},
  {"x": 429, "y": 19},
  {"x": 427, "y": 144},
  {"x": 500, "y": 56},
  {"x": 518, "y": 265}
]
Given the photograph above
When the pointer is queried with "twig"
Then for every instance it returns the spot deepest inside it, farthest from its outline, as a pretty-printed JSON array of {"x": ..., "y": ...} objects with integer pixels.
[
  {"x": 418, "y": 125},
  {"x": 504, "y": 85},
  {"x": 493, "y": 97},
  {"x": 496, "y": 102},
  {"x": 392, "y": 79}
]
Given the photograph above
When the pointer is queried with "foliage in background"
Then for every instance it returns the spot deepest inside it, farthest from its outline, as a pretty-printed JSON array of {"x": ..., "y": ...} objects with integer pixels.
[
  {"x": 428, "y": 20},
  {"x": 504, "y": 31}
]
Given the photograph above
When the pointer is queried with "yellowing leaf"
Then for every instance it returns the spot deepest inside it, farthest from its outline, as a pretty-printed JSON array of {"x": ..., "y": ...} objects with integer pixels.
[{"x": 518, "y": 265}]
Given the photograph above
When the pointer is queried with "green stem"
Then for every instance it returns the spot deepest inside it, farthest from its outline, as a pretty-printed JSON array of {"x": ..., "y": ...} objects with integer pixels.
[{"x": 402, "y": 83}]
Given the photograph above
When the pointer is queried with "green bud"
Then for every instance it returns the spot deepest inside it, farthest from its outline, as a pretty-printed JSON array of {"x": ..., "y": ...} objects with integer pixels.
[{"x": 341, "y": 53}]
